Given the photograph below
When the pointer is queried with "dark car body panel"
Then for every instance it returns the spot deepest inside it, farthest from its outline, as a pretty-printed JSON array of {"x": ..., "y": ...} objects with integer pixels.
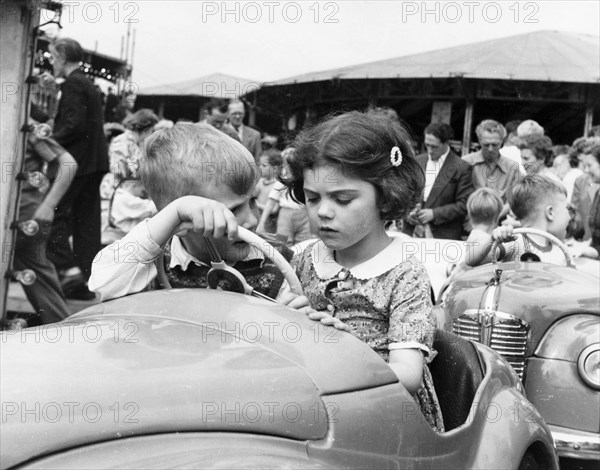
[{"x": 196, "y": 378}]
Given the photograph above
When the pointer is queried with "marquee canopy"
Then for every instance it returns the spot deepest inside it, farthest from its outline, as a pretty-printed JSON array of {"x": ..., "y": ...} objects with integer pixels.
[
  {"x": 216, "y": 85},
  {"x": 540, "y": 56}
]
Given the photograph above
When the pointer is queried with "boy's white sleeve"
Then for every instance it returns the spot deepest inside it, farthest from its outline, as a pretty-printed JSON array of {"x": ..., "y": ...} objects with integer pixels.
[{"x": 125, "y": 266}]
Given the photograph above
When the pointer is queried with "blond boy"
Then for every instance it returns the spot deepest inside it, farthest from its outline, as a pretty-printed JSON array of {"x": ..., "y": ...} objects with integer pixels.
[
  {"x": 203, "y": 184},
  {"x": 539, "y": 203}
]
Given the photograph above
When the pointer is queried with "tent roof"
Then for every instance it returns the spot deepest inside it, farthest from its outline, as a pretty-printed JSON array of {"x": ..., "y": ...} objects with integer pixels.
[
  {"x": 216, "y": 85},
  {"x": 541, "y": 56}
]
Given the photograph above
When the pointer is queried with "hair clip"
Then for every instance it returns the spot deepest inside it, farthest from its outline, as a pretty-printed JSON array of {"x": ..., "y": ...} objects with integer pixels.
[{"x": 396, "y": 156}]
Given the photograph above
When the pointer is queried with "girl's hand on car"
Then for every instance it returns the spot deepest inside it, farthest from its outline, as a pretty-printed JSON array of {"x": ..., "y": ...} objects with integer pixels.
[{"x": 327, "y": 319}]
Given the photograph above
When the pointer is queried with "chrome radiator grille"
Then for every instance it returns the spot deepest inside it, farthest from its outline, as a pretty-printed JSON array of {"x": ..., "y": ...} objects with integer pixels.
[{"x": 504, "y": 333}]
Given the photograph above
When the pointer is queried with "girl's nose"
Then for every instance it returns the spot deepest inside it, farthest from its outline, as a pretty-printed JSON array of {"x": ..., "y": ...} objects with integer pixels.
[{"x": 325, "y": 211}]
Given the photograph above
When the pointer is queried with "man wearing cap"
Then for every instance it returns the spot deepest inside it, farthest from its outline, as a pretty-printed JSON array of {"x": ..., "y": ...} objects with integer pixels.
[{"x": 249, "y": 137}]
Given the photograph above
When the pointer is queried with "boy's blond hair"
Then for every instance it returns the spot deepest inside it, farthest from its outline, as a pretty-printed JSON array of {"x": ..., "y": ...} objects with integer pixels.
[
  {"x": 187, "y": 159},
  {"x": 527, "y": 197},
  {"x": 484, "y": 206}
]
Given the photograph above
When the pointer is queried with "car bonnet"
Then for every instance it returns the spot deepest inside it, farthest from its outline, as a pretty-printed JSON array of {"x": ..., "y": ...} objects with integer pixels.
[{"x": 177, "y": 360}]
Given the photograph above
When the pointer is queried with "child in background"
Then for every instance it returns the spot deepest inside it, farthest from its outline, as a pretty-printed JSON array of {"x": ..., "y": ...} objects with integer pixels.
[
  {"x": 292, "y": 220},
  {"x": 203, "y": 183},
  {"x": 270, "y": 163},
  {"x": 484, "y": 207},
  {"x": 354, "y": 172},
  {"x": 540, "y": 203}
]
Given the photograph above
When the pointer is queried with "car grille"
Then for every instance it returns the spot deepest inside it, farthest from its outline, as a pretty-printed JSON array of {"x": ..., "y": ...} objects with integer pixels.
[{"x": 504, "y": 333}]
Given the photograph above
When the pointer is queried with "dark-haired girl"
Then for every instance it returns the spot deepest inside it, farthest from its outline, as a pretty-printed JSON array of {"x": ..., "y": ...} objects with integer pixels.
[{"x": 354, "y": 172}]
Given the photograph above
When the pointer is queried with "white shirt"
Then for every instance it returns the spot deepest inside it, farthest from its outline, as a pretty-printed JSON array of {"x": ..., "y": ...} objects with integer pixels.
[
  {"x": 432, "y": 171},
  {"x": 513, "y": 153},
  {"x": 569, "y": 181}
]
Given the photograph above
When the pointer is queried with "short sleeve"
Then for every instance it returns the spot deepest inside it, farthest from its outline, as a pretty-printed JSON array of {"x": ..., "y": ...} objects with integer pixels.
[
  {"x": 412, "y": 320},
  {"x": 277, "y": 191}
]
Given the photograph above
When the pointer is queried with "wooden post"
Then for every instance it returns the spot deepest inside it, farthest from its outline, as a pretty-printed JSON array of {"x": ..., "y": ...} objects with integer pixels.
[
  {"x": 161, "y": 108},
  {"x": 589, "y": 120},
  {"x": 251, "y": 116},
  {"x": 466, "y": 140},
  {"x": 252, "y": 110},
  {"x": 18, "y": 19}
]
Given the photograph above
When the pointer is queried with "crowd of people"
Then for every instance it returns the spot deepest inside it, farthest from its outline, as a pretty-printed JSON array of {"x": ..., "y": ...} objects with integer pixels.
[{"x": 337, "y": 190}]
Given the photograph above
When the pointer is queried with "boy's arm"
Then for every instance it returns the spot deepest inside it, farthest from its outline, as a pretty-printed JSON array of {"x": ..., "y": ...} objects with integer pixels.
[{"x": 125, "y": 266}]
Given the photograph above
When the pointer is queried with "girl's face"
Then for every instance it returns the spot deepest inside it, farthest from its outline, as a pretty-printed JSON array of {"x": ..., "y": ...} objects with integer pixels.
[
  {"x": 343, "y": 211},
  {"x": 267, "y": 171},
  {"x": 591, "y": 167}
]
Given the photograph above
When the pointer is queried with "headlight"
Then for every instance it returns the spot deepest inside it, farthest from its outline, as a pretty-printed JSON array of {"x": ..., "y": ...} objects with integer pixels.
[{"x": 588, "y": 365}]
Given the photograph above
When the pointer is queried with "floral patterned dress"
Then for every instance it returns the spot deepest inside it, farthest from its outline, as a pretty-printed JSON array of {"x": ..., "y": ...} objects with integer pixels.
[{"x": 385, "y": 301}]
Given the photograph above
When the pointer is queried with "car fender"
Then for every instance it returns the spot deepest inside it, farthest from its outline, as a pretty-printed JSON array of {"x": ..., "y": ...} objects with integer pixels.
[
  {"x": 553, "y": 381},
  {"x": 503, "y": 412},
  {"x": 567, "y": 337}
]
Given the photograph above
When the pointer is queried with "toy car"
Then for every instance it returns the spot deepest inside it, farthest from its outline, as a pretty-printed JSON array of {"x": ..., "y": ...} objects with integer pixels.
[
  {"x": 194, "y": 378},
  {"x": 545, "y": 320}
]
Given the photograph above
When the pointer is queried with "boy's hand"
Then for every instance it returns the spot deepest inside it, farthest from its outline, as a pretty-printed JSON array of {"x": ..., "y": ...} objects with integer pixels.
[
  {"x": 210, "y": 217},
  {"x": 503, "y": 234}
]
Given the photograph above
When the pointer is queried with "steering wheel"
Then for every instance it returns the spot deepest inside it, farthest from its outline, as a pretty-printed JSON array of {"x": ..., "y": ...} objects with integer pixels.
[
  {"x": 542, "y": 234},
  {"x": 221, "y": 273}
]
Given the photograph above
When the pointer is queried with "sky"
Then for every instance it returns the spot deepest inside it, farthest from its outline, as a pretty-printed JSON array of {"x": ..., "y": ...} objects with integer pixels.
[{"x": 269, "y": 40}]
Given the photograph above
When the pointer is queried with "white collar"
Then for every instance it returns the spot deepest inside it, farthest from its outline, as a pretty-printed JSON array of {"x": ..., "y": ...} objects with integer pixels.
[
  {"x": 181, "y": 257},
  {"x": 440, "y": 160},
  {"x": 387, "y": 259}
]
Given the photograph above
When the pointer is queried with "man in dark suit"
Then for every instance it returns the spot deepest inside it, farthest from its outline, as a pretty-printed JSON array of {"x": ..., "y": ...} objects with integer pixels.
[
  {"x": 249, "y": 137},
  {"x": 78, "y": 128},
  {"x": 448, "y": 185}
]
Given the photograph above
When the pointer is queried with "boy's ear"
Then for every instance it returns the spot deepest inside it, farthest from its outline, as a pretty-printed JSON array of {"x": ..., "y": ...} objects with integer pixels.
[{"x": 549, "y": 213}]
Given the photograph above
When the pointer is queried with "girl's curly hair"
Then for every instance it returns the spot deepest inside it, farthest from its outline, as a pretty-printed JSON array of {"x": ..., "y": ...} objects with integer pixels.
[{"x": 360, "y": 144}]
